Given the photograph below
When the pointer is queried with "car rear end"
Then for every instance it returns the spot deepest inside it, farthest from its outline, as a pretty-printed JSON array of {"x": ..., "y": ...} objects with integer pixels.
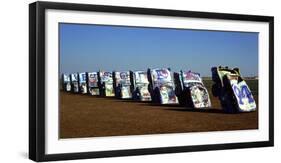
[
  {"x": 162, "y": 86},
  {"x": 93, "y": 83},
  {"x": 106, "y": 81}
]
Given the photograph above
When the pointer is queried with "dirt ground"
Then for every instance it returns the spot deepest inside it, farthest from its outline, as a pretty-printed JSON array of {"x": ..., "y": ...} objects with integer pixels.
[{"x": 90, "y": 116}]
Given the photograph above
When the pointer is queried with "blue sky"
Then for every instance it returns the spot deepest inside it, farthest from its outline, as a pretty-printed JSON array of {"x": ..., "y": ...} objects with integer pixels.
[{"x": 94, "y": 47}]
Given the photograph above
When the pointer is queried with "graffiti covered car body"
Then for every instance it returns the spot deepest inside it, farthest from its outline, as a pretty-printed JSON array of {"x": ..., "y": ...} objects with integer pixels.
[
  {"x": 162, "y": 88},
  {"x": 232, "y": 90},
  {"x": 74, "y": 82},
  {"x": 93, "y": 83},
  {"x": 83, "y": 82},
  {"x": 106, "y": 84},
  {"x": 66, "y": 85},
  {"x": 122, "y": 84},
  {"x": 140, "y": 84},
  {"x": 191, "y": 91}
]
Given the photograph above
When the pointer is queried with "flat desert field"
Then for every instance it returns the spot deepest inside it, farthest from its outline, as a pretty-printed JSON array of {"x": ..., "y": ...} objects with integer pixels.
[{"x": 90, "y": 116}]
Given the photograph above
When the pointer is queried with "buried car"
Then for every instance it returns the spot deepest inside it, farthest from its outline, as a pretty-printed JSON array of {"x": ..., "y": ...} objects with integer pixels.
[
  {"x": 139, "y": 86},
  {"x": 232, "y": 90},
  {"x": 106, "y": 84},
  {"x": 93, "y": 83},
  {"x": 66, "y": 82},
  {"x": 190, "y": 90},
  {"x": 122, "y": 84},
  {"x": 82, "y": 82},
  {"x": 74, "y": 82},
  {"x": 162, "y": 88}
]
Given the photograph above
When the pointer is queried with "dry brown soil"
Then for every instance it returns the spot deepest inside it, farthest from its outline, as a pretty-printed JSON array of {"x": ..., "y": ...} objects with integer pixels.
[{"x": 89, "y": 116}]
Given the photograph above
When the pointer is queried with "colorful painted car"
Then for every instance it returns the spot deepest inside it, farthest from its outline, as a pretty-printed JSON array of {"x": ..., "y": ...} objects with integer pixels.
[
  {"x": 122, "y": 84},
  {"x": 162, "y": 87},
  {"x": 66, "y": 82},
  {"x": 140, "y": 84},
  {"x": 190, "y": 90},
  {"x": 232, "y": 90},
  {"x": 83, "y": 82},
  {"x": 106, "y": 84},
  {"x": 93, "y": 83},
  {"x": 74, "y": 82}
]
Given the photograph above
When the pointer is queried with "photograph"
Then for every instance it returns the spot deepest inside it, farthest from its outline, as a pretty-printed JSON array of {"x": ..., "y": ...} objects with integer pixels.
[
  {"x": 111, "y": 81},
  {"x": 117, "y": 80}
]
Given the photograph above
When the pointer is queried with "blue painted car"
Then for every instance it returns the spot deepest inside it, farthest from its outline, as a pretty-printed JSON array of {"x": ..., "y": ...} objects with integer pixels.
[
  {"x": 139, "y": 81},
  {"x": 106, "y": 84},
  {"x": 162, "y": 87},
  {"x": 66, "y": 85},
  {"x": 190, "y": 90},
  {"x": 74, "y": 82},
  {"x": 83, "y": 82},
  {"x": 93, "y": 83},
  {"x": 122, "y": 84},
  {"x": 232, "y": 90}
]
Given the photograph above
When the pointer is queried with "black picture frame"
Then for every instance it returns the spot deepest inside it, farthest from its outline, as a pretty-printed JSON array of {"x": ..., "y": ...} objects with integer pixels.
[{"x": 37, "y": 80}]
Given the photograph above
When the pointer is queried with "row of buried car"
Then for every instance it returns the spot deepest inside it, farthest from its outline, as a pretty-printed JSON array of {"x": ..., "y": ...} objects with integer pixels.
[{"x": 161, "y": 86}]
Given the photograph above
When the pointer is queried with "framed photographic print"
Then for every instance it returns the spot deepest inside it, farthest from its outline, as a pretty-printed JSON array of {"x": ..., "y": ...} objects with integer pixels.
[{"x": 108, "y": 81}]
